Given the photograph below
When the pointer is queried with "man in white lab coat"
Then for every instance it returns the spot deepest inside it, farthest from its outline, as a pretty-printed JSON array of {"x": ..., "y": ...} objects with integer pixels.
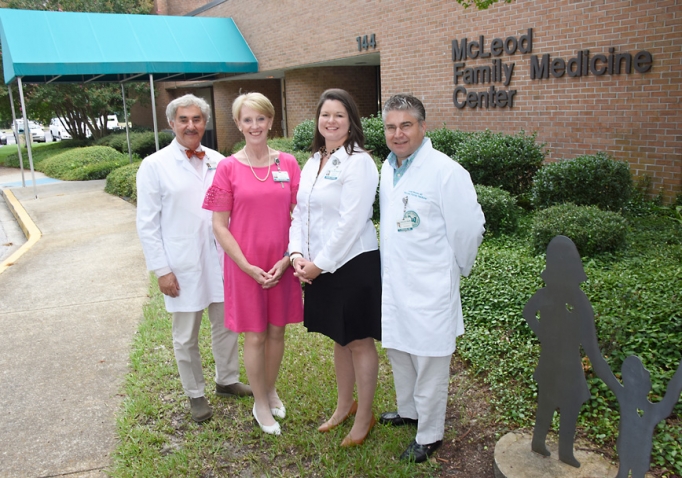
[
  {"x": 179, "y": 247},
  {"x": 431, "y": 227}
]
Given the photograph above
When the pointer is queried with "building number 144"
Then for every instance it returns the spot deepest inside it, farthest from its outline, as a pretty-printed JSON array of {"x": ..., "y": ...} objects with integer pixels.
[{"x": 366, "y": 42}]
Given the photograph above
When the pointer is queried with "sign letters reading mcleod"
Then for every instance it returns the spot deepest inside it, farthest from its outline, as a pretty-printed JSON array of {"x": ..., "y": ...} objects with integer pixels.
[{"x": 541, "y": 67}]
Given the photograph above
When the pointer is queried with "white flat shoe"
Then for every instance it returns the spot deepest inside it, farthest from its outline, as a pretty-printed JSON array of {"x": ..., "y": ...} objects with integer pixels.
[
  {"x": 279, "y": 412},
  {"x": 269, "y": 429}
]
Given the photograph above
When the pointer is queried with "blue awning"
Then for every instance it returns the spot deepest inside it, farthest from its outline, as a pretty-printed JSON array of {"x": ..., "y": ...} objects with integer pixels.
[{"x": 46, "y": 46}]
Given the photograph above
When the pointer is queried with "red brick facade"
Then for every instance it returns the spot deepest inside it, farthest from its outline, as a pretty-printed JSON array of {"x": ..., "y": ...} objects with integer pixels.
[
  {"x": 635, "y": 117},
  {"x": 304, "y": 87}
]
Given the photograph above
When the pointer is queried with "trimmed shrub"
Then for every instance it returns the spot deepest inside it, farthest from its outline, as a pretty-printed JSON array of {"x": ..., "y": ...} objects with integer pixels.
[
  {"x": 500, "y": 209},
  {"x": 592, "y": 230},
  {"x": 121, "y": 182},
  {"x": 303, "y": 135},
  {"x": 41, "y": 152},
  {"x": 448, "y": 141},
  {"x": 589, "y": 180},
  {"x": 144, "y": 144},
  {"x": 375, "y": 140},
  {"x": 82, "y": 164},
  {"x": 501, "y": 160},
  {"x": 118, "y": 141}
]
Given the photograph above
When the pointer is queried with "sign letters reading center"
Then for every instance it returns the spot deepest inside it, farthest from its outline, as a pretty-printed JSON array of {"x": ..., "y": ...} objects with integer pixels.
[{"x": 541, "y": 67}]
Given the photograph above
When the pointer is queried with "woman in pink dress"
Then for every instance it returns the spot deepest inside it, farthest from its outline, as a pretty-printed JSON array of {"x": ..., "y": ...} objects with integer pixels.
[{"x": 252, "y": 196}]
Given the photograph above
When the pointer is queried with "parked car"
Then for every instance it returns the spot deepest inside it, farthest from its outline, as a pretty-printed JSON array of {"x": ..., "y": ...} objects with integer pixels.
[
  {"x": 112, "y": 123},
  {"x": 37, "y": 132},
  {"x": 57, "y": 129},
  {"x": 3, "y": 137}
]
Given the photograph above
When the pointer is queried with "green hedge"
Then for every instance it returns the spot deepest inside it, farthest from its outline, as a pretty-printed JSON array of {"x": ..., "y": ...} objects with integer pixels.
[
  {"x": 118, "y": 141},
  {"x": 141, "y": 143},
  {"x": 40, "y": 152},
  {"x": 501, "y": 160},
  {"x": 144, "y": 144},
  {"x": 448, "y": 141},
  {"x": 121, "y": 182},
  {"x": 592, "y": 230},
  {"x": 303, "y": 135},
  {"x": 500, "y": 209},
  {"x": 586, "y": 180},
  {"x": 375, "y": 139},
  {"x": 93, "y": 162}
]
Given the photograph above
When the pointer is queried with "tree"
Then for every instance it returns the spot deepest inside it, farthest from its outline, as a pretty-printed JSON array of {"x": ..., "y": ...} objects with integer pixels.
[
  {"x": 95, "y": 6},
  {"x": 83, "y": 107}
]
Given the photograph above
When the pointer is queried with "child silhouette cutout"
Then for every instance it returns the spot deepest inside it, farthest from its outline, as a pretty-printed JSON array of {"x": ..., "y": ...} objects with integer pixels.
[
  {"x": 638, "y": 416},
  {"x": 566, "y": 322}
]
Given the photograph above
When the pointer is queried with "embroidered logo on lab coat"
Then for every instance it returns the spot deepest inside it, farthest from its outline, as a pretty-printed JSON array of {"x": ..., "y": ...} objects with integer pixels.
[{"x": 414, "y": 217}]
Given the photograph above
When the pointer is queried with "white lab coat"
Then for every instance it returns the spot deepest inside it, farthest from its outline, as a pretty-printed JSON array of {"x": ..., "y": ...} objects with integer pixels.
[
  {"x": 421, "y": 267},
  {"x": 332, "y": 220},
  {"x": 175, "y": 231}
]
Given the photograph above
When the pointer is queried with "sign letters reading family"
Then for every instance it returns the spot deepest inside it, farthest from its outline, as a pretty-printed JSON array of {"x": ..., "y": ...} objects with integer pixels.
[{"x": 543, "y": 66}]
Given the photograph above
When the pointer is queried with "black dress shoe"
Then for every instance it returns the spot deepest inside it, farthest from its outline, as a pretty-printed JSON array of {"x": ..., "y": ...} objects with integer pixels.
[
  {"x": 392, "y": 418},
  {"x": 419, "y": 453}
]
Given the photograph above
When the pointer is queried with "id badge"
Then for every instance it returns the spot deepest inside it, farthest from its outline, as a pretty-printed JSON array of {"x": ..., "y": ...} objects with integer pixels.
[
  {"x": 332, "y": 174},
  {"x": 405, "y": 225},
  {"x": 280, "y": 176}
]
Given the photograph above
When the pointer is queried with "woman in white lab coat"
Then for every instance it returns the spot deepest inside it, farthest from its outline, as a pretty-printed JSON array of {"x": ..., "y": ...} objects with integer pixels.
[{"x": 334, "y": 250}]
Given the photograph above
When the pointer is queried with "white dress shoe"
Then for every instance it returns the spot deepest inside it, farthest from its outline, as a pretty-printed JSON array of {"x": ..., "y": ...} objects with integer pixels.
[
  {"x": 269, "y": 429},
  {"x": 279, "y": 412}
]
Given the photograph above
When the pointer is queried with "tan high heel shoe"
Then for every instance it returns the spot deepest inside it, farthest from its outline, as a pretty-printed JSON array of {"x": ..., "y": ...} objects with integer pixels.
[
  {"x": 328, "y": 425},
  {"x": 349, "y": 441}
]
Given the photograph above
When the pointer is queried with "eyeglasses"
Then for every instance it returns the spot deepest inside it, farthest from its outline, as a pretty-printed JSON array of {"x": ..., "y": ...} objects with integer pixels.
[{"x": 404, "y": 127}]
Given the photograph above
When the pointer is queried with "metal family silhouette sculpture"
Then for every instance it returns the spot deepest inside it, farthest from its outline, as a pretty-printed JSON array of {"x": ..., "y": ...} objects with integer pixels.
[{"x": 567, "y": 323}]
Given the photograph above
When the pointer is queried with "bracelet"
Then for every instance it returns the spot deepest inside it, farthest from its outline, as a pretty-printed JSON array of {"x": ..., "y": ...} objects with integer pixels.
[
  {"x": 293, "y": 256},
  {"x": 286, "y": 254}
]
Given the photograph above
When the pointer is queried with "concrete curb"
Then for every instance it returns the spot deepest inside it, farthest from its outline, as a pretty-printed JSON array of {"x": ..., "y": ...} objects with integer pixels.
[{"x": 26, "y": 224}]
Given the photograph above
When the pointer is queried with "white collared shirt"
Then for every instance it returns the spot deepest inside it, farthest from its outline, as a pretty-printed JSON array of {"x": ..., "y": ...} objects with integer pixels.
[{"x": 332, "y": 220}]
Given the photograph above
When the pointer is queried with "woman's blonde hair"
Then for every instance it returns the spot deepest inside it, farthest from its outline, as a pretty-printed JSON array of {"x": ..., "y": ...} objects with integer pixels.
[{"x": 256, "y": 101}]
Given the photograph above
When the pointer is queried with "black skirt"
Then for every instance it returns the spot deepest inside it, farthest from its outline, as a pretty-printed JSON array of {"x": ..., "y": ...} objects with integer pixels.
[{"x": 346, "y": 305}]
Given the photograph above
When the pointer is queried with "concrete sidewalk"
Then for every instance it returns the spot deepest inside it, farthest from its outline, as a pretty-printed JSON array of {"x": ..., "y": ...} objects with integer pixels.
[{"x": 69, "y": 307}]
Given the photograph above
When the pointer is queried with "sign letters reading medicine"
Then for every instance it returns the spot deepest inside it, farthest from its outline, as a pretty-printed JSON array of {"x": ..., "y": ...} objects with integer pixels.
[{"x": 541, "y": 67}]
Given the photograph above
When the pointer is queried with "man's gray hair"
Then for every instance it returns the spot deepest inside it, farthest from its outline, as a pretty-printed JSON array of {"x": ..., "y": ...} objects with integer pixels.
[
  {"x": 185, "y": 101},
  {"x": 404, "y": 102}
]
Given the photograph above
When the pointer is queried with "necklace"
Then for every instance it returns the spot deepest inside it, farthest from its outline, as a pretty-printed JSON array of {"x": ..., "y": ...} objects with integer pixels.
[
  {"x": 254, "y": 172},
  {"x": 323, "y": 151}
]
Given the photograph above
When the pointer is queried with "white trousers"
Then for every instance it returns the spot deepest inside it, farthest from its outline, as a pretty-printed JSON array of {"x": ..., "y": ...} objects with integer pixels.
[
  {"x": 421, "y": 387},
  {"x": 186, "y": 345}
]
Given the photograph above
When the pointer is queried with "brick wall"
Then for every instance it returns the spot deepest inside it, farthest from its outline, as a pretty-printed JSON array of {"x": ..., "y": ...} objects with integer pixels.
[
  {"x": 304, "y": 87},
  {"x": 141, "y": 111},
  {"x": 635, "y": 117}
]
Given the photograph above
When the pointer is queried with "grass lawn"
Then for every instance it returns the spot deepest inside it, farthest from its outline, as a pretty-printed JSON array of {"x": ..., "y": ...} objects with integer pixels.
[{"x": 158, "y": 437}]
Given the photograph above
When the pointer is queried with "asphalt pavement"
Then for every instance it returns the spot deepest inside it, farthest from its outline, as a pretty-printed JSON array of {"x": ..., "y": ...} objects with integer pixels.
[{"x": 71, "y": 298}]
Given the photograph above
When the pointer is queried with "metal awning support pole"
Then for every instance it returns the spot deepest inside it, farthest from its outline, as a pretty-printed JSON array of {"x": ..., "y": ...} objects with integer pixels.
[
  {"x": 27, "y": 132},
  {"x": 125, "y": 118},
  {"x": 156, "y": 128},
  {"x": 282, "y": 89},
  {"x": 15, "y": 130}
]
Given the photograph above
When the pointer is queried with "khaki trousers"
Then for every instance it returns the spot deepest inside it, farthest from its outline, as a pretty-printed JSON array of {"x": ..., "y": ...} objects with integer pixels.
[{"x": 186, "y": 345}]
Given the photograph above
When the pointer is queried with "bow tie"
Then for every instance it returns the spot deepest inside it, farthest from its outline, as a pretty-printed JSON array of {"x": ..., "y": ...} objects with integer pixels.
[{"x": 192, "y": 152}]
